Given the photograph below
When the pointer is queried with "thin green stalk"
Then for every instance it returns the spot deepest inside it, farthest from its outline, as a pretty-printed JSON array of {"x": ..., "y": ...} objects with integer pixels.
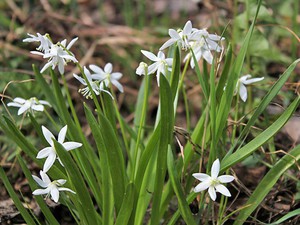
[
  {"x": 186, "y": 106},
  {"x": 236, "y": 116},
  {"x": 121, "y": 122},
  {"x": 51, "y": 119},
  {"x": 142, "y": 121}
]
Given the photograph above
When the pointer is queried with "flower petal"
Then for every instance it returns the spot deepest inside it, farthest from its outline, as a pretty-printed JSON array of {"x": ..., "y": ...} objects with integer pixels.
[
  {"x": 71, "y": 145},
  {"x": 48, "y": 135},
  {"x": 23, "y": 108},
  {"x": 61, "y": 181},
  {"x": 187, "y": 28},
  {"x": 223, "y": 190},
  {"x": 66, "y": 189},
  {"x": 212, "y": 193},
  {"x": 62, "y": 134},
  {"x": 202, "y": 186},
  {"x": 96, "y": 69},
  {"x": 215, "y": 169},
  {"x": 80, "y": 79},
  {"x": 71, "y": 43},
  {"x": 38, "y": 107},
  {"x": 201, "y": 176},
  {"x": 39, "y": 181},
  {"x": 118, "y": 85},
  {"x": 243, "y": 92},
  {"x": 45, "y": 177},
  {"x": 167, "y": 44},
  {"x": 108, "y": 68},
  {"x": 250, "y": 81},
  {"x": 54, "y": 194},
  {"x": 19, "y": 100},
  {"x": 44, "y": 153},
  {"x": 225, "y": 178},
  {"x": 150, "y": 55},
  {"x": 40, "y": 191},
  {"x": 49, "y": 162}
]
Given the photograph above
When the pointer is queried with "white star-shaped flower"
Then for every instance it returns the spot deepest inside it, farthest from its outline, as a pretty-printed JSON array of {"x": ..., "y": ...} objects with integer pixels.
[
  {"x": 59, "y": 55},
  {"x": 107, "y": 76},
  {"x": 96, "y": 86},
  {"x": 161, "y": 64},
  {"x": 50, "y": 152},
  {"x": 213, "y": 183},
  {"x": 32, "y": 104},
  {"x": 50, "y": 188},
  {"x": 245, "y": 81},
  {"x": 181, "y": 37},
  {"x": 45, "y": 42}
]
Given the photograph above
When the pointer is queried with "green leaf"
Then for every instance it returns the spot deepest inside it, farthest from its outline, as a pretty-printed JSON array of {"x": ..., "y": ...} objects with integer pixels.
[
  {"x": 262, "y": 138},
  {"x": 115, "y": 159},
  {"x": 175, "y": 72},
  {"x": 87, "y": 208},
  {"x": 25, "y": 214},
  {"x": 127, "y": 206},
  {"x": 265, "y": 102},
  {"x": 166, "y": 126},
  {"x": 106, "y": 183},
  {"x": 266, "y": 184},
  {"x": 182, "y": 203},
  {"x": 291, "y": 214}
]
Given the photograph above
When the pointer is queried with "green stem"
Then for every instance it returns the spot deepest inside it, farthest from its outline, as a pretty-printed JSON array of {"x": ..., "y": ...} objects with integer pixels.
[
  {"x": 142, "y": 121},
  {"x": 236, "y": 116}
]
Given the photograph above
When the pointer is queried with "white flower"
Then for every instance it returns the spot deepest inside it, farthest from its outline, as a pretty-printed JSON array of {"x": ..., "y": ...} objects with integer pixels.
[
  {"x": 161, "y": 64},
  {"x": 181, "y": 37},
  {"x": 45, "y": 42},
  {"x": 203, "y": 45},
  {"x": 50, "y": 152},
  {"x": 51, "y": 188},
  {"x": 59, "y": 55},
  {"x": 244, "y": 81},
  {"x": 213, "y": 183},
  {"x": 95, "y": 84},
  {"x": 142, "y": 69},
  {"x": 107, "y": 76},
  {"x": 32, "y": 104}
]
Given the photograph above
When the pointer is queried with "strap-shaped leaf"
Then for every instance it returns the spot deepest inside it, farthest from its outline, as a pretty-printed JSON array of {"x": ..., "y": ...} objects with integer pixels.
[{"x": 266, "y": 184}]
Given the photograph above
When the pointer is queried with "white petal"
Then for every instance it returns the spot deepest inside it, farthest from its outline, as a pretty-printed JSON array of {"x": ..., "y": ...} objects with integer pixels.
[
  {"x": 153, "y": 67},
  {"x": 80, "y": 79},
  {"x": 118, "y": 85},
  {"x": 71, "y": 145},
  {"x": 96, "y": 69},
  {"x": 150, "y": 55},
  {"x": 66, "y": 189},
  {"x": 54, "y": 194},
  {"x": 167, "y": 44},
  {"x": 45, "y": 177},
  {"x": 212, "y": 193},
  {"x": 61, "y": 66},
  {"x": 243, "y": 92},
  {"x": 161, "y": 55},
  {"x": 49, "y": 162},
  {"x": 44, "y": 102},
  {"x": 44, "y": 153},
  {"x": 19, "y": 100},
  {"x": 223, "y": 190},
  {"x": 40, "y": 192},
  {"x": 14, "y": 104},
  {"x": 202, "y": 186},
  {"x": 244, "y": 78},
  {"x": 174, "y": 35},
  {"x": 116, "y": 75},
  {"x": 71, "y": 43},
  {"x": 215, "y": 169},
  {"x": 208, "y": 56},
  {"x": 38, "y": 107},
  {"x": 61, "y": 181},
  {"x": 225, "y": 178},
  {"x": 250, "y": 81},
  {"x": 39, "y": 181},
  {"x": 23, "y": 109},
  {"x": 187, "y": 27},
  {"x": 48, "y": 135},
  {"x": 46, "y": 66},
  {"x": 108, "y": 68},
  {"x": 62, "y": 134},
  {"x": 169, "y": 61},
  {"x": 201, "y": 176}
]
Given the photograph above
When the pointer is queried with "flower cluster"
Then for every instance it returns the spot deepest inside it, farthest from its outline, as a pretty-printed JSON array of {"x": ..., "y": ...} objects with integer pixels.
[
  {"x": 29, "y": 105},
  {"x": 198, "y": 41},
  {"x": 214, "y": 182},
  {"x": 57, "y": 54},
  {"x": 99, "y": 79},
  {"x": 53, "y": 188}
]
